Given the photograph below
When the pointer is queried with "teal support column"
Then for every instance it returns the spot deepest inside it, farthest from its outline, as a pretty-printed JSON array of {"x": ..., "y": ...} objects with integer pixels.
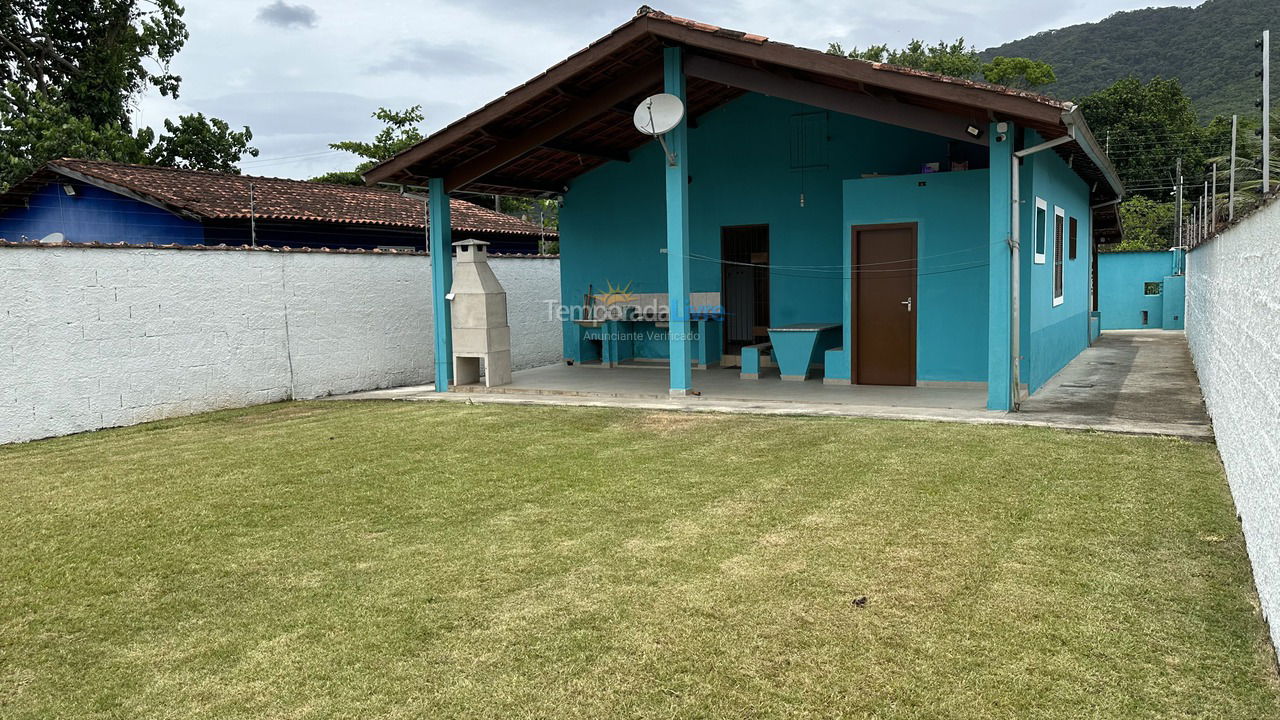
[
  {"x": 440, "y": 236},
  {"x": 677, "y": 185},
  {"x": 999, "y": 271}
]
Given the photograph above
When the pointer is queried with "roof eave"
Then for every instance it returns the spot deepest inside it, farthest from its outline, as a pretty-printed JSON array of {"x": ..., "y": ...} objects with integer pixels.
[
  {"x": 122, "y": 190},
  {"x": 1074, "y": 121}
]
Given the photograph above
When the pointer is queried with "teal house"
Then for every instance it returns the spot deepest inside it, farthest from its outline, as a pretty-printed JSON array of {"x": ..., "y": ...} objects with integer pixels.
[
  {"x": 807, "y": 218},
  {"x": 1142, "y": 290}
]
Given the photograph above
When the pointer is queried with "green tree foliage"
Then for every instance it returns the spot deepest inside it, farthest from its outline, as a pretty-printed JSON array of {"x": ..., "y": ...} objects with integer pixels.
[
  {"x": 1148, "y": 225},
  {"x": 399, "y": 131},
  {"x": 1208, "y": 48},
  {"x": 1148, "y": 127},
  {"x": 953, "y": 59},
  {"x": 1022, "y": 73},
  {"x": 98, "y": 54},
  {"x": 199, "y": 143},
  {"x": 47, "y": 129},
  {"x": 71, "y": 69}
]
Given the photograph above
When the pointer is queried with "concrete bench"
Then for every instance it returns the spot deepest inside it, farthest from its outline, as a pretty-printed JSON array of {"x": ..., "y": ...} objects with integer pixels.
[{"x": 751, "y": 356}]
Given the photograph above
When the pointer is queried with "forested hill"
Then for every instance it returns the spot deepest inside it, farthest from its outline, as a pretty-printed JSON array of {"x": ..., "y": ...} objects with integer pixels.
[{"x": 1209, "y": 48}]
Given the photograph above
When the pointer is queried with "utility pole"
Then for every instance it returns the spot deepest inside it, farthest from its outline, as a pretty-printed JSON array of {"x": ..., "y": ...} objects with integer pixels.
[
  {"x": 1181, "y": 224},
  {"x": 1231, "y": 193},
  {"x": 1213, "y": 200},
  {"x": 253, "y": 221},
  {"x": 1204, "y": 211},
  {"x": 1266, "y": 111}
]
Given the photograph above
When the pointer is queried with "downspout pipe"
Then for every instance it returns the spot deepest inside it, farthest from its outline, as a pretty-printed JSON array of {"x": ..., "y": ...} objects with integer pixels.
[
  {"x": 1077, "y": 132},
  {"x": 1015, "y": 268}
]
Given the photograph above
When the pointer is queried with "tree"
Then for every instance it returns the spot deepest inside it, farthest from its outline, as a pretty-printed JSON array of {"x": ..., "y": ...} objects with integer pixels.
[
  {"x": 199, "y": 143},
  {"x": 1018, "y": 72},
  {"x": 47, "y": 130},
  {"x": 71, "y": 70},
  {"x": 1147, "y": 127},
  {"x": 399, "y": 131},
  {"x": 1148, "y": 225},
  {"x": 955, "y": 59},
  {"x": 98, "y": 54}
]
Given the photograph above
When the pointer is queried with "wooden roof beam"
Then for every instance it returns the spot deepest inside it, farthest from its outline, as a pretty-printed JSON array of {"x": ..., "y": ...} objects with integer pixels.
[
  {"x": 587, "y": 150},
  {"x": 579, "y": 112},
  {"x": 849, "y": 102},
  {"x": 1019, "y": 108}
]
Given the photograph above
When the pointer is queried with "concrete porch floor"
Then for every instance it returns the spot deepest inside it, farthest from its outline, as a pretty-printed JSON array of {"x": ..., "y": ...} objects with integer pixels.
[{"x": 1130, "y": 381}]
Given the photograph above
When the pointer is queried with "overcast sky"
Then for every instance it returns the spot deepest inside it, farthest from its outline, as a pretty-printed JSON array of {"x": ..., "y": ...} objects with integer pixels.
[{"x": 304, "y": 73}]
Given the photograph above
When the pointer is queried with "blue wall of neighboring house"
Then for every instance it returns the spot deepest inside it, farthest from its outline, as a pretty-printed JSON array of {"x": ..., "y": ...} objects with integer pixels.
[
  {"x": 1122, "y": 277},
  {"x": 743, "y": 159},
  {"x": 1052, "y": 335},
  {"x": 96, "y": 215}
]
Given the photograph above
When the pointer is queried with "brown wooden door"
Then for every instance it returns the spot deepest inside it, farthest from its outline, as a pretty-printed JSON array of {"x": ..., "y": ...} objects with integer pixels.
[
  {"x": 884, "y": 304},
  {"x": 744, "y": 285}
]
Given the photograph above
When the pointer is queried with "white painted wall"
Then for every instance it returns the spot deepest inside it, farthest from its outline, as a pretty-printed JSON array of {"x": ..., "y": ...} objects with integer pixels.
[
  {"x": 1233, "y": 327},
  {"x": 98, "y": 337}
]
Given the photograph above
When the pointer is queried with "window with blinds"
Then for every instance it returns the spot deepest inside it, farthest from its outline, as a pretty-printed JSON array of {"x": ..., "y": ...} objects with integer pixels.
[{"x": 1059, "y": 218}]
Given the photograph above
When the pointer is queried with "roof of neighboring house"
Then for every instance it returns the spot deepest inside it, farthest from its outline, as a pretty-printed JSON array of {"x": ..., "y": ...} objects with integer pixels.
[
  {"x": 202, "y": 195},
  {"x": 577, "y": 115}
]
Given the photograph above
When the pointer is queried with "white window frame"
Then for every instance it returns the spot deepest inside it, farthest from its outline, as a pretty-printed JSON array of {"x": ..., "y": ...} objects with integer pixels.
[
  {"x": 1039, "y": 245},
  {"x": 1057, "y": 253}
]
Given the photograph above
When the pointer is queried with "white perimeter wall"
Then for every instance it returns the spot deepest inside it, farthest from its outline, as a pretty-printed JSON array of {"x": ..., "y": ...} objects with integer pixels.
[
  {"x": 1233, "y": 327},
  {"x": 95, "y": 337}
]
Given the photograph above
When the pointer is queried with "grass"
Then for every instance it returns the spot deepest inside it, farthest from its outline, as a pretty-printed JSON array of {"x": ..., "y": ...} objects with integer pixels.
[{"x": 317, "y": 560}]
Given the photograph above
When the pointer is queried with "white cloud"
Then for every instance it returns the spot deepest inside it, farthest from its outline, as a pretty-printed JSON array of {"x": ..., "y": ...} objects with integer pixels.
[{"x": 299, "y": 91}]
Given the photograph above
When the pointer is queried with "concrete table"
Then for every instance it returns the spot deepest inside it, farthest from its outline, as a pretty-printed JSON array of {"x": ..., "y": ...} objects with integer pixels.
[{"x": 797, "y": 347}]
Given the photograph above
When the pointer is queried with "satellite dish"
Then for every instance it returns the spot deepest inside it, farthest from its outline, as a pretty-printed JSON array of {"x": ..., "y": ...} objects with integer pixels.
[
  {"x": 658, "y": 114},
  {"x": 56, "y": 238}
]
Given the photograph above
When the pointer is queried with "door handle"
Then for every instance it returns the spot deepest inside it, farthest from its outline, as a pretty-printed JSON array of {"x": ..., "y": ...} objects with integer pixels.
[{"x": 907, "y": 302}]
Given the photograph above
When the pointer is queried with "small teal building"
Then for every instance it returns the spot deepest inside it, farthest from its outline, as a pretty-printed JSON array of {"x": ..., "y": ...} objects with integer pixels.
[
  {"x": 853, "y": 222},
  {"x": 1142, "y": 290}
]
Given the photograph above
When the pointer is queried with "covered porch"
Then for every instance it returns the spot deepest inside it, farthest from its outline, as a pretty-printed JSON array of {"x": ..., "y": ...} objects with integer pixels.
[{"x": 852, "y": 224}]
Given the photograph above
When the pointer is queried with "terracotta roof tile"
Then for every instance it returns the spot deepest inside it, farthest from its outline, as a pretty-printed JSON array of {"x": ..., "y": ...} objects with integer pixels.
[
  {"x": 222, "y": 196},
  {"x": 761, "y": 39}
]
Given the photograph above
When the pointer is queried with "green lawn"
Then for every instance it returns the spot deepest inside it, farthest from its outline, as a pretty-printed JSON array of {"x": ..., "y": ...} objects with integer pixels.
[{"x": 405, "y": 560}]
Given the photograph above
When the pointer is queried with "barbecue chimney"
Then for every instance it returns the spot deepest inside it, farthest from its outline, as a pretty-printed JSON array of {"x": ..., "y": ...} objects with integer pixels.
[{"x": 479, "y": 310}]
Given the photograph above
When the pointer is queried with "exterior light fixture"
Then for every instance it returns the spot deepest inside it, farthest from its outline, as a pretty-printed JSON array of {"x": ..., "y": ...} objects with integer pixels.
[
  {"x": 974, "y": 131},
  {"x": 69, "y": 189}
]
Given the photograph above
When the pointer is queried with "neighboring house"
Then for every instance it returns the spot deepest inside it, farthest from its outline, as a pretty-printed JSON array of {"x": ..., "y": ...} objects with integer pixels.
[
  {"x": 866, "y": 208},
  {"x": 1142, "y": 290},
  {"x": 103, "y": 202}
]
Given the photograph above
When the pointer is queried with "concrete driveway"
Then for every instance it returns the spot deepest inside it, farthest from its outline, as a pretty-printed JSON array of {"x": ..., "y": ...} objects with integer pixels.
[{"x": 1136, "y": 381}]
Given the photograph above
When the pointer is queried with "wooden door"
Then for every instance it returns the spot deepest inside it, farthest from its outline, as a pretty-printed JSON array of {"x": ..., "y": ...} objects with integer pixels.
[
  {"x": 744, "y": 285},
  {"x": 884, "y": 304}
]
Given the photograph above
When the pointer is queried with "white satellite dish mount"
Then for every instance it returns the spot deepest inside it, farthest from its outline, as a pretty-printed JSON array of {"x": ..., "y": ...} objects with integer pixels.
[{"x": 658, "y": 115}]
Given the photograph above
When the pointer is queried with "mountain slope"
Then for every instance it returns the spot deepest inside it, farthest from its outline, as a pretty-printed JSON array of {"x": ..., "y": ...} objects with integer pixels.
[{"x": 1209, "y": 48}]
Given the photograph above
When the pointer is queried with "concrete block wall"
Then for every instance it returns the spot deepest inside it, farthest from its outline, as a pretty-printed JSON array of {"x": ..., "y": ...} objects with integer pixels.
[
  {"x": 102, "y": 337},
  {"x": 1233, "y": 328}
]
